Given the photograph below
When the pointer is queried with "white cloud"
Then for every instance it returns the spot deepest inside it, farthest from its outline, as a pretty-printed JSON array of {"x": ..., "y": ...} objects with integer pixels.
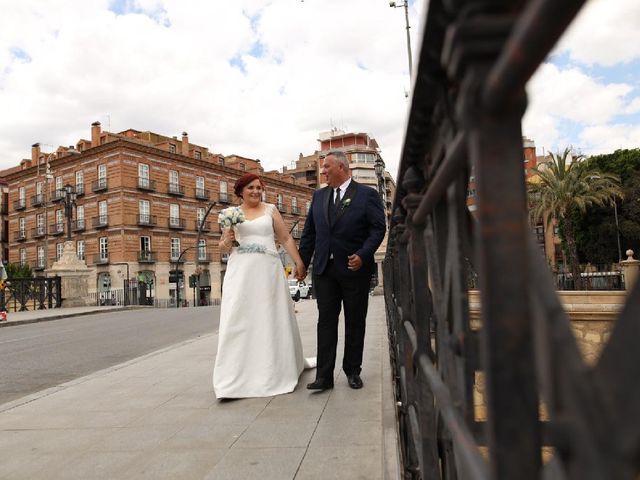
[
  {"x": 604, "y": 33},
  {"x": 168, "y": 68},
  {"x": 608, "y": 138}
]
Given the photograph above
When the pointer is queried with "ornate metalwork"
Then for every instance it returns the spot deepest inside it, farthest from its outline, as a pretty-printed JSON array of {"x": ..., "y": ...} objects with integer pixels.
[
  {"x": 37, "y": 293},
  {"x": 465, "y": 119}
]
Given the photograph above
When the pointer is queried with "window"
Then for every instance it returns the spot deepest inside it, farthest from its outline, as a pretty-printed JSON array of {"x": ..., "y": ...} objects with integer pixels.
[
  {"x": 21, "y": 227},
  {"x": 102, "y": 212},
  {"x": 79, "y": 182},
  {"x": 21, "y": 195},
  {"x": 104, "y": 248},
  {"x": 202, "y": 249},
  {"x": 40, "y": 224},
  {"x": 58, "y": 184},
  {"x": 102, "y": 176},
  {"x": 172, "y": 148},
  {"x": 264, "y": 195},
  {"x": 80, "y": 249},
  {"x": 40, "y": 261},
  {"x": 294, "y": 205},
  {"x": 59, "y": 220},
  {"x": 173, "y": 177},
  {"x": 224, "y": 197},
  {"x": 200, "y": 183},
  {"x": 143, "y": 175},
  {"x": 197, "y": 155},
  {"x": 308, "y": 206},
  {"x": 221, "y": 161},
  {"x": 59, "y": 250},
  {"x": 175, "y": 248},
  {"x": 361, "y": 157},
  {"x": 80, "y": 216},
  {"x": 145, "y": 244},
  {"x": 243, "y": 167},
  {"x": 23, "y": 256},
  {"x": 39, "y": 189},
  {"x": 200, "y": 215},
  {"x": 174, "y": 215},
  {"x": 279, "y": 200},
  {"x": 144, "y": 211}
]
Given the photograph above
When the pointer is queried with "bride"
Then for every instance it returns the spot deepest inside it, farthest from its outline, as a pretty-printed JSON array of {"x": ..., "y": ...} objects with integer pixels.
[{"x": 259, "y": 347}]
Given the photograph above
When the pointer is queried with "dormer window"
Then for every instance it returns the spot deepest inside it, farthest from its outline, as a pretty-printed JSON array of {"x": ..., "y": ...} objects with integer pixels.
[
  {"x": 172, "y": 148},
  {"x": 197, "y": 155}
]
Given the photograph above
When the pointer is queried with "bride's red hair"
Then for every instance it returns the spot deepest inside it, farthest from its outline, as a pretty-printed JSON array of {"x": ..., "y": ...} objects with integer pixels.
[{"x": 243, "y": 181}]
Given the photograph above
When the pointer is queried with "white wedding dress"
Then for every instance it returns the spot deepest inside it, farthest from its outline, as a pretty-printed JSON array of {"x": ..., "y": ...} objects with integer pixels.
[{"x": 259, "y": 347}]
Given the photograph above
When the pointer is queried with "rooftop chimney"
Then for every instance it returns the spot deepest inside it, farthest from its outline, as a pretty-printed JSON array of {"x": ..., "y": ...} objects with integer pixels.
[
  {"x": 35, "y": 153},
  {"x": 95, "y": 134},
  {"x": 185, "y": 144}
]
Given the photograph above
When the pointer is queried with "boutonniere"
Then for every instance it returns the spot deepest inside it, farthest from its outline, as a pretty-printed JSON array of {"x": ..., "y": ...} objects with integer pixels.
[{"x": 345, "y": 203}]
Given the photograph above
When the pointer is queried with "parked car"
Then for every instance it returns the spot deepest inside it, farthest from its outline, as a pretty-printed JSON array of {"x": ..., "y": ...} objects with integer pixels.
[{"x": 299, "y": 290}]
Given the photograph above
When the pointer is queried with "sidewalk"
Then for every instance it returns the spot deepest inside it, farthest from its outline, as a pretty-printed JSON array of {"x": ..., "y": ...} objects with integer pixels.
[
  {"x": 157, "y": 417},
  {"x": 33, "y": 316}
]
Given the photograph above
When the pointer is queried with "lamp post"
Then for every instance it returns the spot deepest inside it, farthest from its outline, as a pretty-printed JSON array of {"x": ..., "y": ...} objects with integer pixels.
[
  {"x": 69, "y": 200},
  {"x": 379, "y": 169},
  {"x": 405, "y": 4}
]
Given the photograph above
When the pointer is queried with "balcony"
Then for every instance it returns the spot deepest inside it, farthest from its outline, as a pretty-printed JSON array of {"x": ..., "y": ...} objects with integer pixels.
[
  {"x": 78, "y": 225},
  {"x": 146, "y": 220},
  {"x": 79, "y": 189},
  {"x": 146, "y": 184},
  {"x": 56, "y": 228},
  {"x": 174, "y": 259},
  {"x": 37, "y": 200},
  {"x": 224, "y": 197},
  {"x": 175, "y": 189},
  {"x": 58, "y": 194},
  {"x": 176, "y": 223},
  {"x": 101, "y": 259},
  {"x": 101, "y": 221},
  {"x": 204, "y": 258},
  {"x": 20, "y": 204},
  {"x": 206, "y": 227},
  {"x": 99, "y": 185},
  {"x": 202, "y": 194},
  {"x": 39, "y": 231},
  {"x": 146, "y": 256},
  {"x": 20, "y": 236},
  {"x": 295, "y": 211},
  {"x": 38, "y": 266}
]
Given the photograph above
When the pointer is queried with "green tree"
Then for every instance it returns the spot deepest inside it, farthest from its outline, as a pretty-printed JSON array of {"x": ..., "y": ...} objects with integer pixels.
[
  {"x": 597, "y": 232},
  {"x": 15, "y": 270},
  {"x": 566, "y": 184}
]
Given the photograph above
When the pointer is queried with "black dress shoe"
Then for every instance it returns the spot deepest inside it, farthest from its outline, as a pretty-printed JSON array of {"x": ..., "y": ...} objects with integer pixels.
[
  {"x": 355, "y": 381},
  {"x": 320, "y": 384}
]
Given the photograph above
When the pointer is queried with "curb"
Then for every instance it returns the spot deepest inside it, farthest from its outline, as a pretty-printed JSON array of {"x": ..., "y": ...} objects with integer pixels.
[
  {"x": 11, "y": 323},
  {"x": 105, "y": 371}
]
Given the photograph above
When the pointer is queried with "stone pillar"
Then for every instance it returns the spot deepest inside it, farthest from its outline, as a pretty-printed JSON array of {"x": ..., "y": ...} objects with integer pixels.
[
  {"x": 74, "y": 275},
  {"x": 631, "y": 270}
]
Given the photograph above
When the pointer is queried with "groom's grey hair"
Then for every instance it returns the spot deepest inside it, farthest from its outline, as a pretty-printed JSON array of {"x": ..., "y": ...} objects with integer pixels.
[{"x": 340, "y": 157}]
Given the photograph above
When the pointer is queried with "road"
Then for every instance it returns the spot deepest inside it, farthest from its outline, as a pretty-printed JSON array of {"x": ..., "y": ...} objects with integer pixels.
[{"x": 42, "y": 355}]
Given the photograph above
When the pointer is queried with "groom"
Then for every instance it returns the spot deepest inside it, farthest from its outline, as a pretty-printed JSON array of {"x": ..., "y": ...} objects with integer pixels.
[{"x": 344, "y": 228}]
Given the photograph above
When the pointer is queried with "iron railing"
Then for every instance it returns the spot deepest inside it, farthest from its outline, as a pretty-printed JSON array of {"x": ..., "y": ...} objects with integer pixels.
[
  {"x": 467, "y": 104},
  {"x": 23, "y": 294}
]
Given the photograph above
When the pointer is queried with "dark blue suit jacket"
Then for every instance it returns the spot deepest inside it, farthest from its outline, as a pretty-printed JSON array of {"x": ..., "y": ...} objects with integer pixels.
[{"x": 358, "y": 227}]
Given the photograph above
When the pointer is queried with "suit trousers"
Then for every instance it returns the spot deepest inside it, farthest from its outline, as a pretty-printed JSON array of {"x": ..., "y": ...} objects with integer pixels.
[{"x": 334, "y": 289}]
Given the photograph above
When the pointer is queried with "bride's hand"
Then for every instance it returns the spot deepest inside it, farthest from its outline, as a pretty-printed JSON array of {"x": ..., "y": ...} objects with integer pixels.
[
  {"x": 301, "y": 272},
  {"x": 228, "y": 237}
]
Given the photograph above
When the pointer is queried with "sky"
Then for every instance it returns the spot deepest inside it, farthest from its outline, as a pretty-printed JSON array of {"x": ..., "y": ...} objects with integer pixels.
[{"x": 262, "y": 78}]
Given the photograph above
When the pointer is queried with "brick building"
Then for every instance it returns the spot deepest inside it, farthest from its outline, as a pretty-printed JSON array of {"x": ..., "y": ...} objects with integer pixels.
[{"x": 140, "y": 198}]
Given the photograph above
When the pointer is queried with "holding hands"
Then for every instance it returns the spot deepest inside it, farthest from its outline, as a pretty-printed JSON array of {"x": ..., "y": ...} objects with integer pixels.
[{"x": 301, "y": 271}]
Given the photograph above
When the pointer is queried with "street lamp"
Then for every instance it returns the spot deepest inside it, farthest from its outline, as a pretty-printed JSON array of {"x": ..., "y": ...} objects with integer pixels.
[
  {"x": 69, "y": 200},
  {"x": 379, "y": 169},
  {"x": 405, "y": 4}
]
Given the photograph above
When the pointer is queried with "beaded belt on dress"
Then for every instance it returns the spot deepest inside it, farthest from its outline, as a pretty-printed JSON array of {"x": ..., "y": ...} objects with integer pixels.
[{"x": 255, "y": 248}]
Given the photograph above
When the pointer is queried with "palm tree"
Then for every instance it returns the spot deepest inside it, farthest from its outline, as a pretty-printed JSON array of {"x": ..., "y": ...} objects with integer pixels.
[{"x": 564, "y": 184}]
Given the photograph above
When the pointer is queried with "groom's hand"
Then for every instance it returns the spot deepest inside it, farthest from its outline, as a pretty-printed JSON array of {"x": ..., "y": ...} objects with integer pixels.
[{"x": 354, "y": 262}]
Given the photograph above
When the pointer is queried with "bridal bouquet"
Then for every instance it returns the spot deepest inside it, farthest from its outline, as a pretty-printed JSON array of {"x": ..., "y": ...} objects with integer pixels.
[{"x": 230, "y": 217}]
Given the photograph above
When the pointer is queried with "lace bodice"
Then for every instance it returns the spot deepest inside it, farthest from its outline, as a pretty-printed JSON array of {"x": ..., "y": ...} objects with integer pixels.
[{"x": 258, "y": 231}]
